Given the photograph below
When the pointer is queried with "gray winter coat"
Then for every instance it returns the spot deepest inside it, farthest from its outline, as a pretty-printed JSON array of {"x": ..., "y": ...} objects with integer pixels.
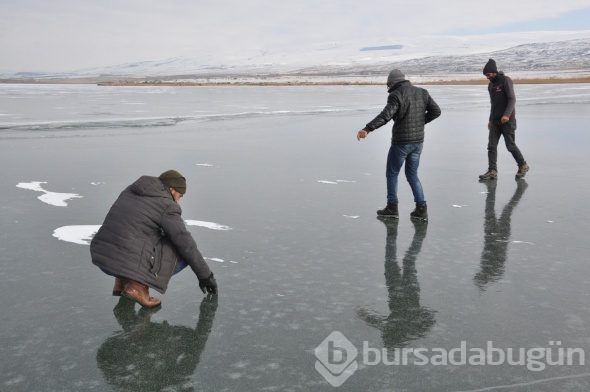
[
  {"x": 410, "y": 108},
  {"x": 143, "y": 236}
]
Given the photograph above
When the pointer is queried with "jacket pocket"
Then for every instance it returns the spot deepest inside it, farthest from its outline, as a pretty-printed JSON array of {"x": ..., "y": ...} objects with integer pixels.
[{"x": 149, "y": 259}]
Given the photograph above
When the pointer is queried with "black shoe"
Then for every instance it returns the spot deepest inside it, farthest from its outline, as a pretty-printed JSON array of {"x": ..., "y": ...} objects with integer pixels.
[
  {"x": 522, "y": 169},
  {"x": 390, "y": 211},
  {"x": 491, "y": 174},
  {"x": 420, "y": 213}
]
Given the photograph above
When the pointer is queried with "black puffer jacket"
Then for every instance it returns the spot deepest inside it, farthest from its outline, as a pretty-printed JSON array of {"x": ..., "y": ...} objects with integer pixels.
[
  {"x": 143, "y": 236},
  {"x": 410, "y": 108}
]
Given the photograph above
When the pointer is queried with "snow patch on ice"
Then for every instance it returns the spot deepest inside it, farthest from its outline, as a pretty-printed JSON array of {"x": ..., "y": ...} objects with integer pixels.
[
  {"x": 204, "y": 164},
  {"x": 79, "y": 234},
  {"x": 82, "y": 234},
  {"x": 336, "y": 182},
  {"x": 52, "y": 198},
  {"x": 97, "y": 183},
  {"x": 516, "y": 242},
  {"x": 351, "y": 216},
  {"x": 208, "y": 225},
  {"x": 460, "y": 205},
  {"x": 216, "y": 259}
]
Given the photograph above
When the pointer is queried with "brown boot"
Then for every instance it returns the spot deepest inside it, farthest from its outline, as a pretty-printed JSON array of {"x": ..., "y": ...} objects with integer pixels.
[
  {"x": 491, "y": 174},
  {"x": 119, "y": 286},
  {"x": 522, "y": 169},
  {"x": 139, "y": 293}
]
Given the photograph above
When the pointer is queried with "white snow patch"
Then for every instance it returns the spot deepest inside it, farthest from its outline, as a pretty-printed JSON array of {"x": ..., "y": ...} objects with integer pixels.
[
  {"x": 516, "y": 242},
  {"x": 351, "y": 216},
  {"x": 233, "y": 262},
  {"x": 204, "y": 164},
  {"x": 460, "y": 205},
  {"x": 550, "y": 221},
  {"x": 216, "y": 259},
  {"x": 79, "y": 234},
  {"x": 336, "y": 182},
  {"x": 53, "y": 198},
  {"x": 208, "y": 225},
  {"x": 97, "y": 183}
]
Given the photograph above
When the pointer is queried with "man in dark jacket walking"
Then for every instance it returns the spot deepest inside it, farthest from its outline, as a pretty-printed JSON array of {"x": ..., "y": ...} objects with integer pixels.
[
  {"x": 410, "y": 108},
  {"x": 502, "y": 121},
  {"x": 144, "y": 241}
]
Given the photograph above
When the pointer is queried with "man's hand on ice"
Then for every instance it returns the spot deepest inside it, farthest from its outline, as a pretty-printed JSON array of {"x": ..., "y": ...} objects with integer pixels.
[{"x": 208, "y": 285}]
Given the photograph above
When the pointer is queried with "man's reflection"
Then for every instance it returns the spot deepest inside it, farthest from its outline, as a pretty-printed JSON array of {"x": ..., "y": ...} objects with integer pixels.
[
  {"x": 407, "y": 320},
  {"x": 496, "y": 235},
  {"x": 149, "y": 356}
]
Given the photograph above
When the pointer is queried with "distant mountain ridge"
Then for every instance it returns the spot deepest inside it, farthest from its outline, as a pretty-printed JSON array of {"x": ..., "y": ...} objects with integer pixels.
[
  {"x": 536, "y": 57},
  {"x": 547, "y": 57}
]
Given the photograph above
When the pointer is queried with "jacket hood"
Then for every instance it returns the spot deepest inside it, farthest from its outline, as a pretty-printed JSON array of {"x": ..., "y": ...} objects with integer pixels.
[
  {"x": 150, "y": 187},
  {"x": 397, "y": 85}
]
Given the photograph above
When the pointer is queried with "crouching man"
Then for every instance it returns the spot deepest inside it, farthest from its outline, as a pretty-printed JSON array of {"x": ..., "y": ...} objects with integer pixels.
[{"x": 144, "y": 241}]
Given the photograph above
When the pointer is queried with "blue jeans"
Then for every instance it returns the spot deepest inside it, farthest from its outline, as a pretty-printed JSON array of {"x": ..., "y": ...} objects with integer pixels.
[{"x": 398, "y": 154}]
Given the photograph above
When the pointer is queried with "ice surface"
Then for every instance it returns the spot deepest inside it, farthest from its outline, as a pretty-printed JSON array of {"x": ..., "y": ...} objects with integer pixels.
[{"x": 510, "y": 266}]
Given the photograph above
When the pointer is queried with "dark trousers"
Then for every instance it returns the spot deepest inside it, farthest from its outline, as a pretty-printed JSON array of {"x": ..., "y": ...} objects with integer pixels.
[{"x": 508, "y": 131}]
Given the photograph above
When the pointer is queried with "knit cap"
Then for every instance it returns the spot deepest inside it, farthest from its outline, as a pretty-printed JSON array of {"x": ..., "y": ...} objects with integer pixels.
[
  {"x": 490, "y": 67},
  {"x": 175, "y": 180}
]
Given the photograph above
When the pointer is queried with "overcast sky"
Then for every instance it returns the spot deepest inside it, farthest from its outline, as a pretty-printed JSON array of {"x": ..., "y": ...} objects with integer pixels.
[{"x": 62, "y": 35}]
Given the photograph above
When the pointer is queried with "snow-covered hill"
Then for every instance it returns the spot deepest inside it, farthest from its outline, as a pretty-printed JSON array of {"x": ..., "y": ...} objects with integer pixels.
[{"x": 443, "y": 57}]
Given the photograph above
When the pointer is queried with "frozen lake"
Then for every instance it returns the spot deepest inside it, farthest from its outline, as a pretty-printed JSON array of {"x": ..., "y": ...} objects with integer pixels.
[{"x": 281, "y": 200}]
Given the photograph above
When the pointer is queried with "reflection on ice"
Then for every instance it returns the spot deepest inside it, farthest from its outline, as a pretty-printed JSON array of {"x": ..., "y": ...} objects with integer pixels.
[
  {"x": 408, "y": 320},
  {"x": 496, "y": 235},
  {"x": 154, "y": 356}
]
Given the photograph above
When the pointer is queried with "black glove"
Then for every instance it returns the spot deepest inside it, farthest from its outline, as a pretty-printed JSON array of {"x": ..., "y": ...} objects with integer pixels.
[{"x": 208, "y": 285}]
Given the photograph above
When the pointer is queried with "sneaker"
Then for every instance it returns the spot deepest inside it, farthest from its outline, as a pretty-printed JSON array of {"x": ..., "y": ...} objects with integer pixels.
[
  {"x": 491, "y": 174},
  {"x": 522, "y": 169},
  {"x": 390, "y": 211},
  {"x": 420, "y": 213}
]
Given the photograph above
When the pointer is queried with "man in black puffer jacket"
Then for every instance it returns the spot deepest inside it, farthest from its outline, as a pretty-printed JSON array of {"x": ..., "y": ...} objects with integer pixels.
[
  {"x": 502, "y": 121},
  {"x": 144, "y": 241},
  {"x": 410, "y": 108}
]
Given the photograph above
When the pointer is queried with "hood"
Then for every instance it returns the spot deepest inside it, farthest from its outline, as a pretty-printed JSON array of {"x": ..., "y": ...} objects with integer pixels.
[
  {"x": 150, "y": 187},
  {"x": 398, "y": 84}
]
